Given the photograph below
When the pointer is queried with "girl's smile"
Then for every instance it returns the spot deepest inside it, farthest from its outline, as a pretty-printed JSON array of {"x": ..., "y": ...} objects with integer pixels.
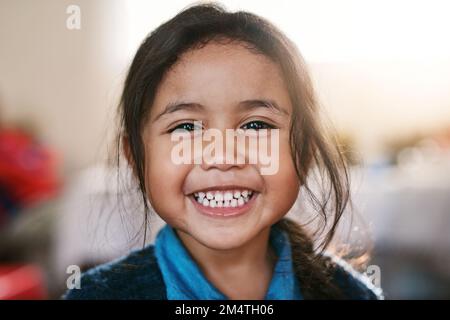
[
  {"x": 231, "y": 201},
  {"x": 226, "y": 193}
]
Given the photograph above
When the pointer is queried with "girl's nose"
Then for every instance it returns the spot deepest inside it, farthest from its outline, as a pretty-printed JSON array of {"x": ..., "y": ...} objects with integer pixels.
[
  {"x": 220, "y": 162},
  {"x": 225, "y": 155}
]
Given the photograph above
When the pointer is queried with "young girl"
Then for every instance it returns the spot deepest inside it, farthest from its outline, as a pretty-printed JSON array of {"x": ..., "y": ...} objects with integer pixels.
[{"x": 226, "y": 235}]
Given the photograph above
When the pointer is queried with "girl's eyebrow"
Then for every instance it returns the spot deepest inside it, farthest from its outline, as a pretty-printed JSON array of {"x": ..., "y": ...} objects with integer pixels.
[
  {"x": 264, "y": 103},
  {"x": 176, "y": 106},
  {"x": 246, "y": 104}
]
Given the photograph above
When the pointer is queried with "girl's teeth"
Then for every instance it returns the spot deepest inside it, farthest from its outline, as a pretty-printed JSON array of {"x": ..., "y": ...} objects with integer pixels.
[
  {"x": 221, "y": 199},
  {"x": 228, "y": 196},
  {"x": 218, "y": 196}
]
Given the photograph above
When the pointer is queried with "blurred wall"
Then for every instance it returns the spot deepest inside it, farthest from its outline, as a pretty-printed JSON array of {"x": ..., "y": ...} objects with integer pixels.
[
  {"x": 62, "y": 82},
  {"x": 380, "y": 101},
  {"x": 376, "y": 81}
]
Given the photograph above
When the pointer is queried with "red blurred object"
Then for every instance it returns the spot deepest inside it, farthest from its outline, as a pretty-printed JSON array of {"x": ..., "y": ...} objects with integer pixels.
[
  {"x": 27, "y": 168},
  {"x": 22, "y": 282}
]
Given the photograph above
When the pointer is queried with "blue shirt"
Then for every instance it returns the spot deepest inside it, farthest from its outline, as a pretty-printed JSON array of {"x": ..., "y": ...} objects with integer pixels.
[{"x": 184, "y": 279}]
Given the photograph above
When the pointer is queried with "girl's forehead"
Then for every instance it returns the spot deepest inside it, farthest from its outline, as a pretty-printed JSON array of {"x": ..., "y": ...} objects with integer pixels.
[{"x": 222, "y": 72}]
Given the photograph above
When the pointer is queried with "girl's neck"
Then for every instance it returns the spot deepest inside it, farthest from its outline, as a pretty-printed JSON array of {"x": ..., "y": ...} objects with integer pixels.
[{"x": 239, "y": 273}]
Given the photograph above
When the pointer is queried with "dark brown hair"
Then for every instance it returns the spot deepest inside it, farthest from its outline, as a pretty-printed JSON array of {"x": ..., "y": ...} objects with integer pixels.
[{"x": 311, "y": 145}]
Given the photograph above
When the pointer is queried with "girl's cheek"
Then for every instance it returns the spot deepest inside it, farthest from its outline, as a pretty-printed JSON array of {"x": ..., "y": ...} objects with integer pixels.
[
  {"x": 165, "y": 178},
  {"x": 284, "y": 185}
]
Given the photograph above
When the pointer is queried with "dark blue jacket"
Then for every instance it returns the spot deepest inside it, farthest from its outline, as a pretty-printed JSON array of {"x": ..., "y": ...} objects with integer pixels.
[{"x": 137, "y": 276}]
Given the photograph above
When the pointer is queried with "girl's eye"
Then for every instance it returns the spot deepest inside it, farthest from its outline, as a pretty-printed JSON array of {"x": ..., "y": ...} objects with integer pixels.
[
  {"x": 257, "y": 125},
  {"x": 187, "y": 126}
]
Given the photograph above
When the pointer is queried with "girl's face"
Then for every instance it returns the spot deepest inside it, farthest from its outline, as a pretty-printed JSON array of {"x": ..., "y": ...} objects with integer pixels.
[{"x": 224, "y": 87}]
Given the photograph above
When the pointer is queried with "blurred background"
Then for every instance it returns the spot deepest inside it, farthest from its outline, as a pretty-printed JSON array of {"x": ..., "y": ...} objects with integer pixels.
[{"x": 382, "y": 73}]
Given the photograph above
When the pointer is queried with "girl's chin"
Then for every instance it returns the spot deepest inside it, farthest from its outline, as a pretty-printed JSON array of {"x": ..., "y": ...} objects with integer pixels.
[
  {"x": 222, "y": 241},
  {"x": 224, "y": 236}
]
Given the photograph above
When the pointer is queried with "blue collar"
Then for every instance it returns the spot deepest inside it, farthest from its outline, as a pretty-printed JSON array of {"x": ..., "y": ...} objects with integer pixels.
[{"x": 185, "y": 281}]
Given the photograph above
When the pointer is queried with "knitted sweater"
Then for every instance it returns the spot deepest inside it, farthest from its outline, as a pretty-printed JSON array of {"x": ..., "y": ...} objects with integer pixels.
[{"x": 137, "y": 276}]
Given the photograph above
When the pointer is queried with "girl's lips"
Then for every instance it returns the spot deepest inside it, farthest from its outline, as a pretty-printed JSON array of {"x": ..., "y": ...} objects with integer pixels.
[{"x": 225, "y": 212}]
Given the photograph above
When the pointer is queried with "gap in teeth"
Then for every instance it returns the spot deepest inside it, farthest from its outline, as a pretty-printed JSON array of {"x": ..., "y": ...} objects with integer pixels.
[{"x": 223, "y": 199}]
